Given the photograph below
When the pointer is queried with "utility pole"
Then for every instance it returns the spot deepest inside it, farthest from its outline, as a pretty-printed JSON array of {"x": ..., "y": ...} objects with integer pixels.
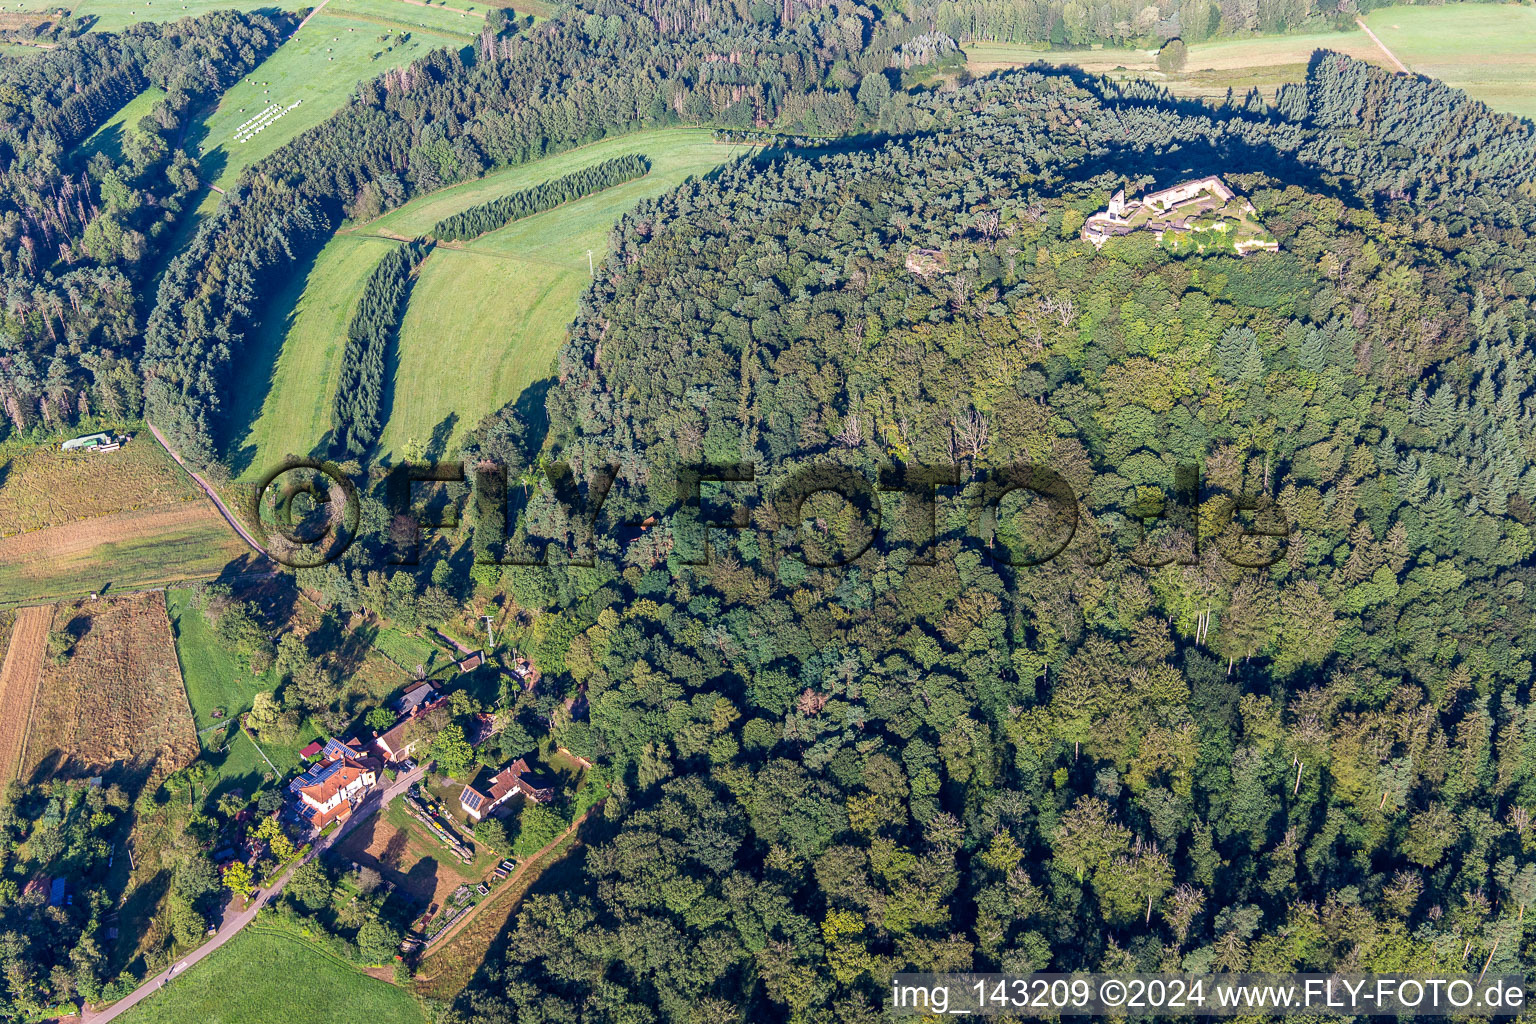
[{"x": 591, "y": 272}]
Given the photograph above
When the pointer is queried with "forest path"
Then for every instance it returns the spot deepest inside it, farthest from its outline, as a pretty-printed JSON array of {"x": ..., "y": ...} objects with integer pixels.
[{"x": 1381, "y": 45}]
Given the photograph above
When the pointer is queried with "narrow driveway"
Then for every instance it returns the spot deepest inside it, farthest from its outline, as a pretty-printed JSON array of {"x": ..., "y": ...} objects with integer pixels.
[
  {"x": 208, "y": 490},
  {"x": 375, "y": 801}
]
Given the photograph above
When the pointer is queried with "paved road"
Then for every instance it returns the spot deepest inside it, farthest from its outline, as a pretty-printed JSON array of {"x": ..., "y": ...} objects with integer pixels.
[
  {"x": 1381, "y": 45},
  {"x": 208, "y": 490},
  {"x": 231, "y": 926}
]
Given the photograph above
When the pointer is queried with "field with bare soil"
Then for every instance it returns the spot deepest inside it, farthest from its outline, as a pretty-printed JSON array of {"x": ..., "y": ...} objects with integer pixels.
[
  {"x": 400, "y": 850},
  {"x": 19, "y": 675},
  {"x": 116, "y": 705}
]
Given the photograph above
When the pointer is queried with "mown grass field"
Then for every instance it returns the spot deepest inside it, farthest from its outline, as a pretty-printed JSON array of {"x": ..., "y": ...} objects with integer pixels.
[
  {"x": 317, "y": 67},
  {"x": 1266, "y": 62},
  {"x": 484, "y": 321},
  {"x": 123, "y": 552},
  {"x": 451, "y": 23},
  {"x": 81, "y": 523},
  {"x": 1487, "y": 49},
  {"x": 263, "y": 976}
]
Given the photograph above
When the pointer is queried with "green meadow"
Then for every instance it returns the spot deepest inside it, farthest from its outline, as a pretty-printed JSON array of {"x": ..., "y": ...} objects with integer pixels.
[
  {"x": 263, "y": 976},
  {"x": 484, "y": 320},
  {"x": 112, "y": 15},
  {"x": 308, "y": 79},
  {"x": 1487, "y": 49}
]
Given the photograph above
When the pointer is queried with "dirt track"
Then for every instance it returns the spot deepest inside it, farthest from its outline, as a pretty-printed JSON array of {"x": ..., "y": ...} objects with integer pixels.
[{"x": 19, "y": 676}]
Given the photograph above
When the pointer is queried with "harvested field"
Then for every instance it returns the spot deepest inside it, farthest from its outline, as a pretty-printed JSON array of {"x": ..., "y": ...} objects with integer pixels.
[
  {"x": 129, "y": 550},
  {"x": 74, "y": 523},
  {"x": 41, "y": 486},
  {"x": 19, "y": 676},
  {"x": 116, "y": 706}
]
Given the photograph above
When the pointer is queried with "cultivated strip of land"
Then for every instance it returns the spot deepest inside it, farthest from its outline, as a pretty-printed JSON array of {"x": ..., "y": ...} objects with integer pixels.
[{"x": 19, "y": 676}]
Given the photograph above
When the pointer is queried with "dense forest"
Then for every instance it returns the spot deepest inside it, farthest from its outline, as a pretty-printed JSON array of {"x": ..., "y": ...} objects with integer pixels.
[
  {"x": 1249, "y": 690},
  {"x": 80, "y": 232},
  {"x": 1187, "y": 741},
  {"x": 497, "y": 213},
  {"x": 587, "y": 74},
  {"x": 357, "y": 412}
]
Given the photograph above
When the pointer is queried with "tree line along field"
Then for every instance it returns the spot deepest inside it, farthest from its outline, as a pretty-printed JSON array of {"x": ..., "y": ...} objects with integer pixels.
[
  {"x": 484, "y": 320},
  {"x": 1487, "y": 49},
  {"x": 88, "y": 523}
]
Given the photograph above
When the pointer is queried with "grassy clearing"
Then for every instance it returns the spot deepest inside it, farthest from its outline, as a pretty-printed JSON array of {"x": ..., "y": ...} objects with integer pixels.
[
  {"x": 409, "y": 651},
  {"x": 484, "y": 321},
  {"x": 1265, "y": 63},
  {"x": 109, "y": 137},
  {"x": 317, "y": 68},
  {"x": 263, "y": 976},
  {"x": 1487, "y": 49},
  {"x": 116, "y": 704},
  {"x": 216, "y": 680}
]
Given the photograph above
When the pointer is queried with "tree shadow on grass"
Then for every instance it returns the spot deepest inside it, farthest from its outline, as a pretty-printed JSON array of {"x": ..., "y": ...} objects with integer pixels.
[{"x": 258, "y": 364}]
